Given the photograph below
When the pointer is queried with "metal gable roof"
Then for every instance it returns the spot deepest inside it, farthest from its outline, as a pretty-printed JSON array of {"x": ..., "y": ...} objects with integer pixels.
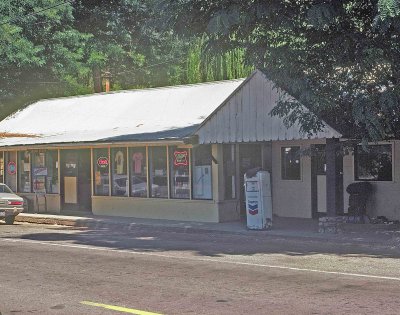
[{"x": 135, "y": 115}]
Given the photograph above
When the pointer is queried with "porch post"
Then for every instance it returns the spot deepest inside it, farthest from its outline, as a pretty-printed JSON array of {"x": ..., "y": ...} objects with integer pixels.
[{"x": 332, "y": 175}]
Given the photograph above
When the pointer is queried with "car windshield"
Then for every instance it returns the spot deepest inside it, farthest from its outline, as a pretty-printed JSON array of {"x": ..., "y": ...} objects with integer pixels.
[{"x": 5, "y": 189}]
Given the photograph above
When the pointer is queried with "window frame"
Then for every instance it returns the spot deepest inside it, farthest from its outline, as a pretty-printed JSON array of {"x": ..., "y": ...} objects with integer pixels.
[
  {"x": 130, "y": 171},
  {"x": 47, "y": 152},
  {"x": 193, "y": 152},
  {"x": 152, "y": 173},
  {"x": 355, "y": 164},
  {"x": 94, "y": 165},
  {"x": 20, "y": 171},
  {"x": 2, "y": 167},
  {"x": 173, "y": 176},
  {"x": 112, "y": 163}
]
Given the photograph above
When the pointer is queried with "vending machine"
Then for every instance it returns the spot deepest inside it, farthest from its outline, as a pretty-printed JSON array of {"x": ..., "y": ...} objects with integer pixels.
[{"x": 258, "y": 201}]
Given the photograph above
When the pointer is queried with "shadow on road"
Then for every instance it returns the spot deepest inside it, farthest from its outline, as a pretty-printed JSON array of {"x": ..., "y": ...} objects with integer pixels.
[{"x": 152, "y": 239}]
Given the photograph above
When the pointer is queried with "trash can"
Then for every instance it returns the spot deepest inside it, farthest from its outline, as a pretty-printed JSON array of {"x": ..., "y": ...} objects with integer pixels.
[{"x": 359, "y": 193}]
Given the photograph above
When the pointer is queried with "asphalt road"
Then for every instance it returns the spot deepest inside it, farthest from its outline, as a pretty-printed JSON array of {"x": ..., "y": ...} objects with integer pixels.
[{"x": 60, "y": 270}]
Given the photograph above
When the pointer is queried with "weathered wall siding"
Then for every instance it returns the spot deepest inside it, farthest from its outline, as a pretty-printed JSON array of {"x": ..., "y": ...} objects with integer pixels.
[
  {"x": 239, "y": 118},
  {"x": 268, "y": 99},
  {"x": 260, "y": 88},
  {"x": 255, "y": 94},
  {"x": 228, "y": 211},
  {"x": 245, "y": 117},
  {"x": 246, "y": 113},
  {"x": 232, "y": 106},
  {"x": 385, "y": 199}
]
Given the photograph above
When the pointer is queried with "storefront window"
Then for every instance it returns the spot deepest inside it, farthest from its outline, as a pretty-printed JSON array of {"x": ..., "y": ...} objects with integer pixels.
[
  {"x": 10, "y": 159},
  {"x": 101, "y": 172},
  {"x": 375, "y": 163},
  {"x": 229, "y": 171},
  {"x": 39, "y": 171},
  {"x": 119, "y": 172},
  {"x": 179, "y": 164},
  {"x": 52, "y": 172},
  {"x": 290, "y": 163},
  {"x": 201, "y": 172},
  {"x": 158, "y": 172},
  {"x": 24, "y": 172},
  {"x": 138, "y": 172},
  {"x": 1, "y": 167}
]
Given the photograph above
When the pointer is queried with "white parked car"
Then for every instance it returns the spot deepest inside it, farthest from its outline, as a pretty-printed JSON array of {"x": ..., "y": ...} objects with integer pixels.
[{"x": 10, "y": 204}]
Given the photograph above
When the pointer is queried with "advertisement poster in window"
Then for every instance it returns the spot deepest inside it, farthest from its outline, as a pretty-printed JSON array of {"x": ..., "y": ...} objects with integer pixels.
[
  {"x": 181, "y": 158},
  {"x": 11, "y": 168}
]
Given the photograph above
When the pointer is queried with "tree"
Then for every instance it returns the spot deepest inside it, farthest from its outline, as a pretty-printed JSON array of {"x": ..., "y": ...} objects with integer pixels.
[
  {"x": 204, "y": 65},
  {"x": 50, "y": 48},
  {"x": 36, "y": 46},
  {"x": 338, "y": 58}
]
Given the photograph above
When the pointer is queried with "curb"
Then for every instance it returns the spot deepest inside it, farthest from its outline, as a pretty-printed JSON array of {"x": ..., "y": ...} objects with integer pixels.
[{"x": 98, "y": 224}]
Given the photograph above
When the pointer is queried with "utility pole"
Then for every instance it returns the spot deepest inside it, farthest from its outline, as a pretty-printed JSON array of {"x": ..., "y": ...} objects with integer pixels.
[{"x": 107, "y": 80}]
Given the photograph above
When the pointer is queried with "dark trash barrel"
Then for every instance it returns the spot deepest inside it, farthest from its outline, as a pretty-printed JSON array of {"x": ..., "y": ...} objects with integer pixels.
[{"x": 359, "y": 193}]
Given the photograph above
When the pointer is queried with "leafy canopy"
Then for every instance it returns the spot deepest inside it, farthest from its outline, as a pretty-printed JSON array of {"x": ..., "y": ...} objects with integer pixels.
[{"x": 339, "y": 58}]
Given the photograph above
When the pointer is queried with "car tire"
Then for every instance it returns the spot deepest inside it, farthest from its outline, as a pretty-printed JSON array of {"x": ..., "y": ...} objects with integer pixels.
[{"x": 9, "y": 219}]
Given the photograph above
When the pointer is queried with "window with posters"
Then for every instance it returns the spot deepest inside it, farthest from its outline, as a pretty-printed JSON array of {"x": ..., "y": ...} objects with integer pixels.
[
  {"x": 1, "y": 167},
  {"x": 10, "y": 161},
  {"x": 52, "y": 184},
  {"x": 101, "y": 172},
  {"x": 138, "y": 171},
  {"x": 24, "y": 172},
  {"x": 119, "y": 172},
  {"x": 39, "y": 171},
  {"x": 158, "y": 172},
  {"x": 179, "y": 170}
]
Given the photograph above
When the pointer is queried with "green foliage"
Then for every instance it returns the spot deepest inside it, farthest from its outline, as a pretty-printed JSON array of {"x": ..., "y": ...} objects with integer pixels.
[
  {"x": 338, "y": 58},
  {"x": 388, "y": 9},
  {"x": 208, "y": 65}
]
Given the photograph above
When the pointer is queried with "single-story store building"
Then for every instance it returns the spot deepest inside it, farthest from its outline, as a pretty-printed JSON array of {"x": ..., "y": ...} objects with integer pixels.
[{"x": 180, "y": 153}]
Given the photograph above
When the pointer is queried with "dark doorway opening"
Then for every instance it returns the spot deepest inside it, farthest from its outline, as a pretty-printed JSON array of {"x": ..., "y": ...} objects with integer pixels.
[
  {"x": 249, "y": 157},
  {"x": 319, "y": 181},
  {"x": 76, "y": 180}
]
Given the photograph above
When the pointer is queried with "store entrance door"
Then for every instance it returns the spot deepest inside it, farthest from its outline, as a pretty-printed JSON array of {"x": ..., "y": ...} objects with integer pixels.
[
  {"x": 318, "y": 181},
  {"x": 75, "y": 180},
  {"x": 249, "y": 157}
]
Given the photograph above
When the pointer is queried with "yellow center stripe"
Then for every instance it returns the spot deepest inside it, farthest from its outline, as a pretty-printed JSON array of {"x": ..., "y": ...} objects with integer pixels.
[{"x": 119, "y": 309}]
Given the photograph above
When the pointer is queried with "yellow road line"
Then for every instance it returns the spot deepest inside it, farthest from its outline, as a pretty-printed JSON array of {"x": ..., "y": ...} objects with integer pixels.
[{"x": 119, "y": 309}]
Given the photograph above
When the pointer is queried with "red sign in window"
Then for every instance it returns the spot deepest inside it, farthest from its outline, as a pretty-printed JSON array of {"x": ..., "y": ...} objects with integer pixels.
[
  {"x": 11, "y": 168},
  {"x": 102, "y": 162},
  {"x": 181, "y": 158}
]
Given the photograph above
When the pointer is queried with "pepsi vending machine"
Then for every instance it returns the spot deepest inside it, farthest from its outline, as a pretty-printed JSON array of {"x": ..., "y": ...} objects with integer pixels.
[{"x": 258, "y": 201}]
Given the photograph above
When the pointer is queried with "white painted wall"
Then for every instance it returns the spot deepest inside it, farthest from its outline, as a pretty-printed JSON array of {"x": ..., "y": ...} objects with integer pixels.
[{"x": 291, "y": 198}]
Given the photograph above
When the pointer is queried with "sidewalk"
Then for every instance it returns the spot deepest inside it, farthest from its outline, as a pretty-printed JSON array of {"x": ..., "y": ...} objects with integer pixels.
[{"x": 306, "y": 229}]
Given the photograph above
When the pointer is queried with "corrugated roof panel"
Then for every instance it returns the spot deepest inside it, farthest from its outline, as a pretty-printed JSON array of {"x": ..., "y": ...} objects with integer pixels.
[{"x": 149, "y": 114}]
